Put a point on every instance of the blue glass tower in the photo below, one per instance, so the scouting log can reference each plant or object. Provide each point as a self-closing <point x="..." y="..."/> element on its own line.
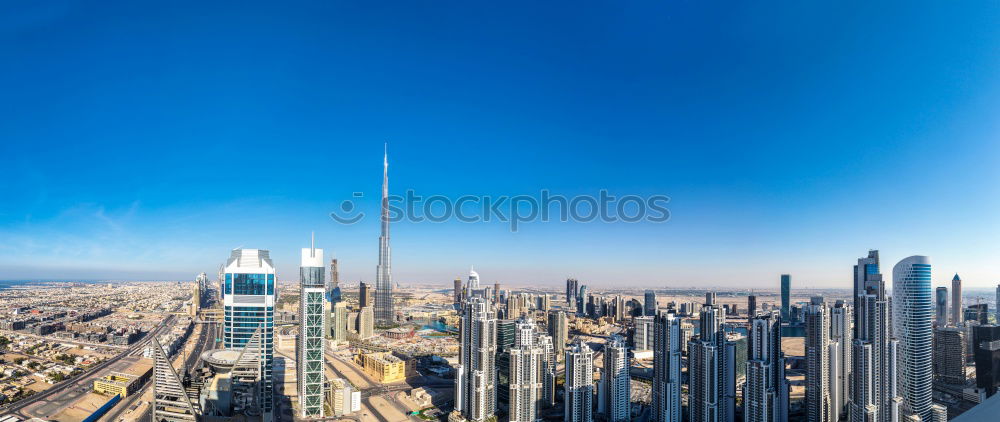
<point x="786" y="288"/>
<point x="249" y="304"/>
<point x="913" y="313"/>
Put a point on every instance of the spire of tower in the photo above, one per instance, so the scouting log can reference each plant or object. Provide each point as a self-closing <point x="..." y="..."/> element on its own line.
<point x="312" y="245"/>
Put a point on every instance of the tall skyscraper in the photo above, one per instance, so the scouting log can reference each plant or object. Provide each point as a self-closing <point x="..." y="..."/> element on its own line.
<point x="751" y="306"/>
<point x="249" y="305"/>
<point x="642" y="337"/>
<point x="615" y="380"/>
<point x="496" y="292"/>
<point x="333" y="291"/>
<point x="476" y="373"/>
<point x="458" y="291"/>
<point x="310" y="363"/>
<point x="526" y="382"/>
<point x="384" y="314"/>
<point x="949" y="355"/>
<point x="956" y="300"/>
<point x="649" y="303"/>
<point x="547" y="369"/>
<point x="579" y="387"/>
<point x="559" y="330"/>
<point x="711" y="368"/>
<point x="765" y="394"/>
<point x="338" y="328"/>
<point x="366" y="295"/>
<point x="786" y="292"/>
<point x="841" y="339"/>
<point x="818" y="403"/>
<point x="572" y="287"/>
<point x="581" y="300"/>
<point x="912" y="313"/>
<point x="941" y="306"/>
<point x="667" y="346"/>
<point x="874" y="395"/>
<point x="986" y="340"/>
<point x="366" y="323"/>
<point x="473" y="281"/>
<point x="996" y="305"/>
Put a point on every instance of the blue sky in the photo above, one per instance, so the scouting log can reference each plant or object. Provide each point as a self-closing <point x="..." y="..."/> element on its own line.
<point x="145" y="141"/>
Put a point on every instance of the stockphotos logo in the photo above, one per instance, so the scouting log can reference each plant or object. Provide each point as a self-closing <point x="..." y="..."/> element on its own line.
<point x="515" y="210"/>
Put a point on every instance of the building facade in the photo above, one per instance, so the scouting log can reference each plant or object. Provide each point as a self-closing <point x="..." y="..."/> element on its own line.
<point x="818" y="401"/>
<point x="248" y="305"/>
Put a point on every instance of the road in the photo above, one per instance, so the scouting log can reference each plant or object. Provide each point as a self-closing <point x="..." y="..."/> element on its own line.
<point x="78" y="385"/>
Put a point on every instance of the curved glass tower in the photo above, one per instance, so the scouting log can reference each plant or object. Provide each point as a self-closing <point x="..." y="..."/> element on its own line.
<point x="913" y="312"/>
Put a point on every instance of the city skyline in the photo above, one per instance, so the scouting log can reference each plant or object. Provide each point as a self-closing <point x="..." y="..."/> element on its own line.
<point x="115" y="169"/>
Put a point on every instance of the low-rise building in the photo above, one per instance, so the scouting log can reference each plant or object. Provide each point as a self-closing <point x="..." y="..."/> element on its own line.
<point x="384" y="367"/>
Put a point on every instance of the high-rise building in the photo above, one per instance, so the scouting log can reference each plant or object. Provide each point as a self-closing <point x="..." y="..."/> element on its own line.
<point x="384" y="314"/>
<point x="476" y="374"/>
<point x="581" y="300"/>
<point x="996" y="305"/>
<point x="505" y="340"/>
<point x="786" y="290"/>
<point x="548" y="370"/>
<point x="667" y="345"/>
<point x="941" y="306"/>
<point x="542" y="302"/>
<point x="956" y="300"/>
<point x="338" y="327"/>
<point x="249" y="305"/>
<point x="818" y="402"/>
<point x="841" y="338"/>
<point x="558" y="329"/>
<point x="751" y="306"/>
<point x="765" y="394"/>
<point x="366" y="295"/>
<point x="496" y="292"/>
<point x="615" y="381"/>
<point x="579" y="387"/>
<point x="195" y="299"/>
<point x="526" y="383"/>
<point x="978" y="312"/>
<point x="912" y="308"/>
<point x="572" y="287"/>
<point x="333" y="289"/>
<point x="458" y="291"/>
<point x="874" y="395"/>
<point x="473" y="281"/>
<point x="366" y="323"/>
<point x="649" y="303"/>
<point x="311" y="359"/>
<point x="711" y="372"/>
<point x="949" y="355"/>
<point x="642" y="337"/>
<point x="986" y="340"/>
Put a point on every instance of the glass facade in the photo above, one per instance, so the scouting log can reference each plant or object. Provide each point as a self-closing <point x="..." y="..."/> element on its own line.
<point x="240" y="322"/>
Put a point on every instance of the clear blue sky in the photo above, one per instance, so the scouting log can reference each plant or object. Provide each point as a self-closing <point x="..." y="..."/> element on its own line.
<point x="146" y="141"/>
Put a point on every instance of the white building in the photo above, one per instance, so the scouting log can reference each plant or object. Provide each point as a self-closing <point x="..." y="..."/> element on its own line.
<point x="818" y="401"/>
<point x="476" y="373"/>
<point x="765" y="394"/>
<point x="668" y="341"/>
<point x="311" y="358"/>
<point x="579" y="386"/>
<point x="615" y="380"/>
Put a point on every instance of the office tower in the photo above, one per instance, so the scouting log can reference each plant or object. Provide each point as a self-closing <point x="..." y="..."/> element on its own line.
<point x="649" y="303"/>
<point x="366" y="295"/>
<point x="170" y="400"/>
<point x="619" y="309"/>
<point x="786" y="300"/>
<point x="986" y="340"/>
<point x="475" y="375"/>
<point x="195" y="299"/>
<point x="866" y="274"/>
<point x="711" y="368"/>
<point x="333" y="293"/>
<point x="525" y="373"/>
<point x="579" y="387"/>
<point x="366" y="323"/>
<point x="941" y="306"/>
<point x="751" y="306"/>
<point x="542" y="302"/>
<point x="548" y="370"/>
<point x="249" y="305"/>
<point x="615" y="380"/>
<point x="581" y="300"/>
<point x="978" y="312"/>
<point x="841" y="338"/>
<point x="912" y="309"/>
<point x="642" y="337"/>
<point x="668" y="342"/>
<point x="572" y="287"/>
<point x="458" y="291"/>
<point x="311" y="360"/>
<point x="818" y="402"/>
<point x="496" y="292"/>
<point x="559" y="330"/>
<point x="473" y="283"/>
<point x="956" y="300"/>
<point x="765" y="394"/>
<point x="505" y="340"/>
<point x="949" y="355"/>
<point x="338" y="328"/>
<point x="874" y="395"/>
<point x="384" y="314"/>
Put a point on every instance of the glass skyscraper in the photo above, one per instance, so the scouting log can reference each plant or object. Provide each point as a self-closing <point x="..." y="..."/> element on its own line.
<point x="384" y="314"/>
<point x="249" y="304"/>
<point x="313" y="329"/>
<point x="913" y="310"/>
<point x="786" y="290"/>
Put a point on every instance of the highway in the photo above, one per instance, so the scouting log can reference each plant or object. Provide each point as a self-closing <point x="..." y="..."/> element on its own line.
<point x="85" y="380"/>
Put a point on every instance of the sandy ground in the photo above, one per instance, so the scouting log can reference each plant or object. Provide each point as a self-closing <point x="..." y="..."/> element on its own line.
<point x="793" y="346"/>
<point x="387" y="410"/>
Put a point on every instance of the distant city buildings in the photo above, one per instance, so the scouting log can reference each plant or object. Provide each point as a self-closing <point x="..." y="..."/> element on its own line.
<point x="649" y="303"/>
<point x="956" y="300"/>
<point x="941" y="306"/>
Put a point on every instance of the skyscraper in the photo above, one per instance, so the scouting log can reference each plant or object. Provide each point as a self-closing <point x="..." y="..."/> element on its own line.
<point x="941" y="306"/>
<point x="338" y="329"/>
<point x="572" y="287"/>
<point x="642" y="337"/>
<point x="310" y="362"/>
<point x="874" y="395"/>
<point x="547" y="369"/>
<point x="476" y="374"/>
<point x="580" y="383"/>
<point x="615" y="380"/>
<point x="786" y="290"/>
<point x="473" y="281"/>
<point x="818" y="402"/>
<point x="912" y="313"/>
<point x="649" y="303"/>
<point x="581" y="300"/>
<point x="986" y="340"/>
<point x="558" y="329"/>
<point x="366" y="295"/>
<point x="711" y="368"/>
<point x="525" y="373"/>
<point x="765" y="394"/>
<point x="366" y="323"/>
<point x="667" y="345"/>
<point x="949" y="355"/>
<point x="334" y="294"/>
<point x="384" y="314"/>
<point x="956" y="300"/>
<point x="841" y="339"/>
<point x="458" y="291"/>
<point x="249" y="305"/>
<point x="751" y="306"/>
